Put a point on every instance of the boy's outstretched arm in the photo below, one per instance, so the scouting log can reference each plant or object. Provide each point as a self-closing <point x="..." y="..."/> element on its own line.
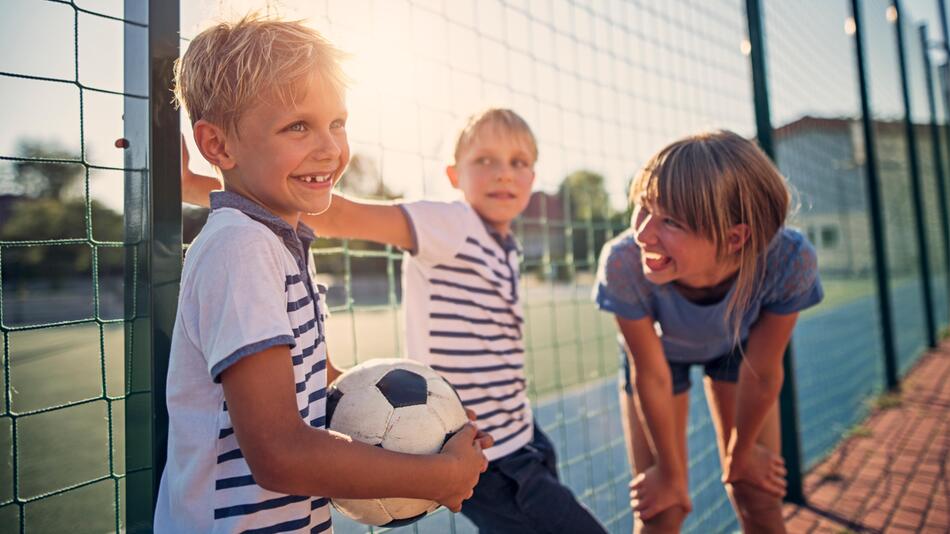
<point x="288" y="456"/>
<point x="195" y="188"/>
<point x="382" y="222"/>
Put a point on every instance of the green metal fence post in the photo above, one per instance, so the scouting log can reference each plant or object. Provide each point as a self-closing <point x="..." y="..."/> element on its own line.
<point x="788" y="403"/>
<point x="165" y="248"/>
<point x="154" y="257"/>
<point x="939" y="175"/>
<point x="139" y="486"/>
<point x="915" y="186"/>
<point x="878" y="236"/>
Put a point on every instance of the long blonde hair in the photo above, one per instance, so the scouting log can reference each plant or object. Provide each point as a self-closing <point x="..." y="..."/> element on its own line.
<point x="711" y="182"/>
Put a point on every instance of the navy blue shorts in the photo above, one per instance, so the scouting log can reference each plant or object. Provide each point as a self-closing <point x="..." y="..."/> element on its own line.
<point x="521" y="493"/>
<point x="723" y="368"/>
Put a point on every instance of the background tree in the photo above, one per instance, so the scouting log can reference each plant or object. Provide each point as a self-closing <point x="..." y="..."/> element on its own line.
<point x="41" y="203"/>
<point x="587" y="195"/>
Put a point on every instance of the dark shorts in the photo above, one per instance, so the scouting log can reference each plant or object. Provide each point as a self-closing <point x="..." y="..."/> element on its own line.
<point x="521" y="493"/>
<point x="723" y="368"/>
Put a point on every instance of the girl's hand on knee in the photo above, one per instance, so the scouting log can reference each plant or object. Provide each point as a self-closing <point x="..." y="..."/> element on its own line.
<point x="760" y="467"/>
<point x="652" y="492"/>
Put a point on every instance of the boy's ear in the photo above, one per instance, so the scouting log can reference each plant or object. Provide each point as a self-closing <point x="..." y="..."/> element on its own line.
<point x="737" y="237"/>
<point x="453" y="175"/>
<point x="213" y="145"/>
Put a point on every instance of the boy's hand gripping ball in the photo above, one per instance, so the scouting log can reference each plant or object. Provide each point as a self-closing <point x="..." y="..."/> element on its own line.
<point x="399" y="405"/>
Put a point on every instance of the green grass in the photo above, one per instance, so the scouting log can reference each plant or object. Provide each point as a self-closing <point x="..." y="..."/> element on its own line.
<point x="886" y="401"/>
<point x="68" y="446"/>
<point x="858" y="431"/>
<point x="839" y="291"/>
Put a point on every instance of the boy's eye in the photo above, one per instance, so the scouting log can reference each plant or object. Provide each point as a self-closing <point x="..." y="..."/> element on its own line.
<point x="670" y="222"/>
<point x="483" y="161"/>
<point x="297" y="127"/>
<point x="339" y="123"/>
<point x="520" y="164"/>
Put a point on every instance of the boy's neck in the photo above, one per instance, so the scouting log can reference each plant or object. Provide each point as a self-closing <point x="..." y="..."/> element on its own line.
<point x="292" y="218"/>
<point x="502" y="229"/>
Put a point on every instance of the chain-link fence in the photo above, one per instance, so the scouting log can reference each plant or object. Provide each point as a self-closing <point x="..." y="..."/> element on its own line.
<point x="89" y="211"/>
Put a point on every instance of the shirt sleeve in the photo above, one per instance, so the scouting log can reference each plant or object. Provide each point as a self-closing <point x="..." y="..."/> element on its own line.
<point x="796" y="284"/>
<point x="439" y="229"/>
<point x="239" y="292"/>
<point x="620" y="287"/>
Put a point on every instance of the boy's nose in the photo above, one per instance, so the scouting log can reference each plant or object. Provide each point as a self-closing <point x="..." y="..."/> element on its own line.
<point x="504" y="172"/>
<point x="326" y="147"/>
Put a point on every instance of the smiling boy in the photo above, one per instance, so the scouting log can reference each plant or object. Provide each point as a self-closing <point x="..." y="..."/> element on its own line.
<point x="246" y="390"/>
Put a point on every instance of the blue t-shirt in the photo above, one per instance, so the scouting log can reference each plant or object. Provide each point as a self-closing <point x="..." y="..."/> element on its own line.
<point x="696" y="333"/>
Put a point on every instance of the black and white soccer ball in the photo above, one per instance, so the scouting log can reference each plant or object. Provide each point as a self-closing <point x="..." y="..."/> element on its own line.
<point x="400" y="405"/>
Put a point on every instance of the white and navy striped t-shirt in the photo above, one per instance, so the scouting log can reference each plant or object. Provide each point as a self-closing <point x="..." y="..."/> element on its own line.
<point x="464" y="316"/>
<point x="246" y="286"/>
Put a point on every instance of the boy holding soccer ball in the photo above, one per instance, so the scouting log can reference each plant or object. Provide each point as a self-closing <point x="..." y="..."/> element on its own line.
<point x="247" y="448"/>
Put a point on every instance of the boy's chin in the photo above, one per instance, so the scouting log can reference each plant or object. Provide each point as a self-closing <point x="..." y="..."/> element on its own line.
<point x="317" y="208"/>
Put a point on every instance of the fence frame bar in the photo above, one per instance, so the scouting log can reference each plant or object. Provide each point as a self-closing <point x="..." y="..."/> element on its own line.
<point x="788" y="400"/>
<point x="916" y="192"/>
<point x="875" y="206"/>
<point x="939" y="175"/>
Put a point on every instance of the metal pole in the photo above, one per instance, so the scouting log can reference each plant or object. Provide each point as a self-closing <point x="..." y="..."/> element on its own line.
<point x="788" y="402"/>
<point x="939" y="176"/>
<point x="875" y="207"/>
<point x="915" y="186"/>
<point x="139" y="486"/>
<point x="164" y="217"/>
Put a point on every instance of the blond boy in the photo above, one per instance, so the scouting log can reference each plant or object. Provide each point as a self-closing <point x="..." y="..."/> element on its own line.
<point x="248" y="373"/>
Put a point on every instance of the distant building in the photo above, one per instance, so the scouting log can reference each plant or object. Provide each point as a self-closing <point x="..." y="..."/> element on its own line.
<point x="824" y="160"/>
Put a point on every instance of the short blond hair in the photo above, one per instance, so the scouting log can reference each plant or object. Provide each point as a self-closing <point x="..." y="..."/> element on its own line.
<point x="713" y="181"/>
<point x="231" y="66"/>
<point x="506" y="120"/>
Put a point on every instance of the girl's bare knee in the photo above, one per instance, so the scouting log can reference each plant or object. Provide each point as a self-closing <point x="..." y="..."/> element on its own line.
<point x="758" y="510"/>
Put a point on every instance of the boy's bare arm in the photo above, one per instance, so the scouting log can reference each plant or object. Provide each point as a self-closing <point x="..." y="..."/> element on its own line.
<point x="332" y="371"/>
<point x="195" y="188"/>
<point x="382" y="222"/>
<point x="288" y="456"/>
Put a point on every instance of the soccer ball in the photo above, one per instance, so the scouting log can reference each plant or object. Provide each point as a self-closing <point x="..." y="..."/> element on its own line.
<point x="399" y="405"/>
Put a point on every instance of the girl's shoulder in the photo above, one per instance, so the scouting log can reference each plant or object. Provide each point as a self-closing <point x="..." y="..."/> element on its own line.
<point x="790" y="251"/>
<point x="623" y="246"/>
<point x="621" y="287"/>
<point x="791" y="273"/>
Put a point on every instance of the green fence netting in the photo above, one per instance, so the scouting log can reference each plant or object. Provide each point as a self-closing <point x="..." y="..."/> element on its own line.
<point x="63" y="261"/>
<point x="819" y="148"/>
<point x="603" y="84"/>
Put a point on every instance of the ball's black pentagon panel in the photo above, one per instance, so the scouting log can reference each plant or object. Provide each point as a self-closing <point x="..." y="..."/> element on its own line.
<point x="403" y="522"/>
<point x="402" y="387"/>
<point x="333" y="398"/>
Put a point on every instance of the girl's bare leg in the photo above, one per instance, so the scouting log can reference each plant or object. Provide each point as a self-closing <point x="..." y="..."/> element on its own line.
<point x="757" y="510"/>
<point x="641" y="456"/>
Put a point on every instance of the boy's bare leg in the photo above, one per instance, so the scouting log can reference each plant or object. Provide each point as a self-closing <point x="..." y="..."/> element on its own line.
<point x="758" y="511"/>
<point x="641" y="456"/>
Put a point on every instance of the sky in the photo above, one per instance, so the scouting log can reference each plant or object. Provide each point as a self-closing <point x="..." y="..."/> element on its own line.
<point x="604" y="84"/>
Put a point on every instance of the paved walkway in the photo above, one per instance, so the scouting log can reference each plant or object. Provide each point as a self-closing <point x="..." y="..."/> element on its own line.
<point x="891" y="475"/>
